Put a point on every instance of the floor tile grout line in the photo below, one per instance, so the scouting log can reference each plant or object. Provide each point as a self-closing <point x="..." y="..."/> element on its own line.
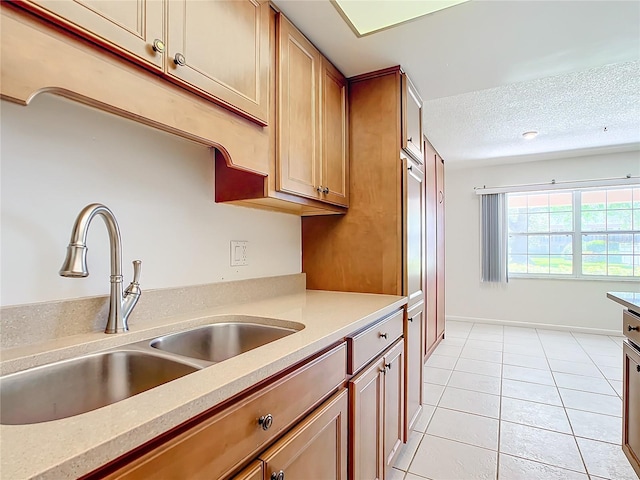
<point x="575" y="440"/>
<point x="500" y="411"/>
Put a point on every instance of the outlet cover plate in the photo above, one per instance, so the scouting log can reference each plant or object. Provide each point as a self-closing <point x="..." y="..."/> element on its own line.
<point x="239" y="253"/>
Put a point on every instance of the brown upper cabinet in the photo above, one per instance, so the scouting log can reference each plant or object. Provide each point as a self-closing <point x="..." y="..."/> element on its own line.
<point x="311" y="152"/>
<point x="216" y="48"/>
<point x="411" y="120"/>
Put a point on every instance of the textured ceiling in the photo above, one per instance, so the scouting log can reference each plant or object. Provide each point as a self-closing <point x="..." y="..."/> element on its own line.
<point x="490" y="70"/>
<point x="569" y="111"/>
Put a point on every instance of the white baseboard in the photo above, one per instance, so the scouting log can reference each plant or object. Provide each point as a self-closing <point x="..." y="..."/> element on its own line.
<point x="548" y="326"/>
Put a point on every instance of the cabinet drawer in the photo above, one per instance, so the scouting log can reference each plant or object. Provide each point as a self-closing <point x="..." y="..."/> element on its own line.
<point x="631" y="327"/>
<point x="373" y="340"/>
<point x="219" y="445"/>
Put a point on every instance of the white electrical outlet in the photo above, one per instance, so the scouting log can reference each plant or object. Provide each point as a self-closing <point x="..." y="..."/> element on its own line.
<point x="239" y="253"/>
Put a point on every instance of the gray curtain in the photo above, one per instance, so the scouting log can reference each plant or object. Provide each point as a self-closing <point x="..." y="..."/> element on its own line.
<point x="494" y="238"/>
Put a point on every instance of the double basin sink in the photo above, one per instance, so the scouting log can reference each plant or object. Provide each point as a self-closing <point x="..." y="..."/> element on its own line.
<point x="78" y="385"/>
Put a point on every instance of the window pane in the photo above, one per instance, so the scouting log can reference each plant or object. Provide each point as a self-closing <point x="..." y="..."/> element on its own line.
<point x="636" y="246"/>
<point x="561" y="244"/>
<point x="619" y="220"/>
<point x="539" y="203"/>
<point x="517" y="244"/>
<point x="619" y="198"/>
<point x="561" y="222"/>
<point x="517" y="264"/>
<point x="636" y="198"/>
<point x="538" y="264"/>
<point x="561" y="264"/>
<point x="593" y="221"/>
<point x="620" y="265"/>
<point x="636" y="219"/>
<point x="594" y="200"/>
<point x="518" y="223"/>
<point x="517" y="203"/>
<point x="618" y="244"/>
<point x="594" y="243"/>
<point x="637" y="265"/>
<point x="539" y="244"/>
<point x="561" y="202"/>
<point x="594" y="265"/>
<point x="539" y="222"/>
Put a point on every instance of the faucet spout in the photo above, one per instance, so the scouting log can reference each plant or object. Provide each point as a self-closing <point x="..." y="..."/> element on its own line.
<point x="75" y="265"/>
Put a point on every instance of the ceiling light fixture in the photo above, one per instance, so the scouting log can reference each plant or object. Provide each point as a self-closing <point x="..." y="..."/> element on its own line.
<point x="365" y="18"/>
<point x="530" y="134"/>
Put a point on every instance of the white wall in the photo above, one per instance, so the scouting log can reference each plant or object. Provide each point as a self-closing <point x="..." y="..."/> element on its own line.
<point x="556" y="302"/>
<point x="58" y="156"/>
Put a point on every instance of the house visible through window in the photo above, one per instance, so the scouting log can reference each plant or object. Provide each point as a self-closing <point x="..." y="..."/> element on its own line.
<point x="581" y="233"/>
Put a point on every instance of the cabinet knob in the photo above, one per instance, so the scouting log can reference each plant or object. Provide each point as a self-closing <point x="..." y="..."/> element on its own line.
<point x="383" y="335"/>
<point x="631" y="329"/>
<point x="441" y="196"/>
<point x="410" y="319"/>
<point x="387" y="366"/>
<point x="410" y="139"/>
<point x="158" y="45"/>
<point x="179" y="60"/>
<point x="410" y="167"/>
<point x="325" y="190"/>
<point x="319" y="189"/>
<point x="638" y="368"/>
<point x="266" y="421"/>
<point x="277" y="475"/>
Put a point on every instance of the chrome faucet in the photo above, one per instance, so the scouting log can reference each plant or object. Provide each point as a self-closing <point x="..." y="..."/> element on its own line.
<point x="75" y="265"/>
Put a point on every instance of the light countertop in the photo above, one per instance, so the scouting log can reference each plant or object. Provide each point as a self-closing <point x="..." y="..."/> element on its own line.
<point x="631" y="300"/>
<point x="71" y="447"/>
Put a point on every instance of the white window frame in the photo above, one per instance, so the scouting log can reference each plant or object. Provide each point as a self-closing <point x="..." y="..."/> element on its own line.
<point x="577" y="235"/>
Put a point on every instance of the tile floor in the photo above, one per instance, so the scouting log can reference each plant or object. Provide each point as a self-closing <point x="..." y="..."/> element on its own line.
<point x="519" y="403"/>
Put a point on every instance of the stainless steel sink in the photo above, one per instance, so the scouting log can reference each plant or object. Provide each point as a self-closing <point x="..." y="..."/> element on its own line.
<point x="220" y="341"/>
<point x="79" y="385"/>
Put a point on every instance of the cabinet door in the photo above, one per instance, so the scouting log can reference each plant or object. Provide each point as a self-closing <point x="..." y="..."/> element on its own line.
<point x="298" y="146"/>
<point x="631" y="410"/>
<point x="335" y="151"/>
<point x="366" y="421"/>
<point x="127" y="27"/>
<point x="255" y="471"/>
<point x="316" y="447"/>
<point x="413" y="342"/>
<point x="440" y="246"/>
<point x="411" y="120"/>
<point x="431" y="260"/>
<point x="225" y="46"/>
<point x="393" y="402"/>
<point x="413" y="231"/>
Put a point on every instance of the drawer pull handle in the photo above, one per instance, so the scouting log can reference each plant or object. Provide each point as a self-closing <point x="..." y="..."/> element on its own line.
<point x="410" y="319"/>
<point x="277" y="475"/>
<point x="266" y="421"/>
<point x="631" y="329"/>
<point x="383" y="335"/>
<point x="638" y="368"/>
<point x="325" y="190"/>
<point x="388" y="366"/>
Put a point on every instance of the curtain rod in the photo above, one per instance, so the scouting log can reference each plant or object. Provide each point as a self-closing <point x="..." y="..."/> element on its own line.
<point x="553" y="185"/>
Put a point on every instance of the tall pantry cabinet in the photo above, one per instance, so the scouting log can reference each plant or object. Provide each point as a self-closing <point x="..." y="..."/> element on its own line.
<point x="379" y="245"/>
<point x="434" y="276"/>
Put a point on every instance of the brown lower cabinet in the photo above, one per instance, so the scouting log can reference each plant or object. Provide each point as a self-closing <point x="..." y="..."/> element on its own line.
<point x="315" y="448"/>
<point x="413" y="350"/>
<point x="631" y="410"/>
<point x="376" y="414"/>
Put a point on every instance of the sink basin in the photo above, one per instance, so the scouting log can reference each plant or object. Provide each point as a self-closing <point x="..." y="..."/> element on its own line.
<point x="79" y="385"/>
<point x="220" y="341"/>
